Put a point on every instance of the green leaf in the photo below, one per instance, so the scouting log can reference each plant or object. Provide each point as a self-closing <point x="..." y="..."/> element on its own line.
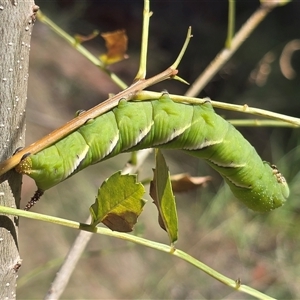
<point x="119" y="202"/>
<point x="162" y="194"/>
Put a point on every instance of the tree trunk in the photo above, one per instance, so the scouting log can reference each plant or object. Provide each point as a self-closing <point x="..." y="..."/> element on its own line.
<point x="16" y="20"/>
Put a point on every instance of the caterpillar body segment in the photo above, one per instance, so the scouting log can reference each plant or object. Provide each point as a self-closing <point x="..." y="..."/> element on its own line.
<point x="162" y="123"/>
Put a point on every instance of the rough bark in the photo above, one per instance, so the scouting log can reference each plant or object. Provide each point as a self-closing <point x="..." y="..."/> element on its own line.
<point x="16" y="21"/>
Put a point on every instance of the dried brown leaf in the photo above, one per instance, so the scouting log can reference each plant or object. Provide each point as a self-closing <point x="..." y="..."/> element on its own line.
<point x="184" y="182"/>
<point x="116" y="45"/>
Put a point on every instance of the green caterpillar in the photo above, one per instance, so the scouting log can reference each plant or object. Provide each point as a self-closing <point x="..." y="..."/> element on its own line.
<point x="162" y="123"/>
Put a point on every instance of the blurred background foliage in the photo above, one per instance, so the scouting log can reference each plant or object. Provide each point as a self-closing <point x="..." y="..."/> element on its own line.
<point x="260" y="249"/>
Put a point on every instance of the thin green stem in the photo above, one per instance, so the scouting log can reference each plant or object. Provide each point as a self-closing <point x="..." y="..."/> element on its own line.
<point x="260" y="123"/>
<point x="141" y="74"/>
<point x="226" y="54"/>
<point x="183" y="49"/>
<point x="231" y="23"/>
<point x="140" y="241"/>
<point x="146" y="95"/>
<point x="72" y="41"/>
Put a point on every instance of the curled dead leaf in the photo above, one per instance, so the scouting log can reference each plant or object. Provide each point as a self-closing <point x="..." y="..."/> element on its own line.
<point x="116" y="45"/>
<point x="184" y="182"/>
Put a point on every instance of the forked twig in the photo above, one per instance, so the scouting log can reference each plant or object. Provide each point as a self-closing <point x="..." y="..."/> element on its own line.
<point x="140" y="241"/>
<point x="227" y="53"/>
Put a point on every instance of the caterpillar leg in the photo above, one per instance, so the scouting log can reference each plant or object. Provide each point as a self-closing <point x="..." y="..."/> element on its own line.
<point x="35" y="198"/>
<point x="24" y="168"/>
